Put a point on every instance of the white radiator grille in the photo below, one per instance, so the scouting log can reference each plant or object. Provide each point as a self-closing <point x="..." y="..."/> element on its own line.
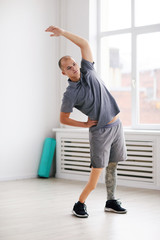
<point x="139" y="164"/>
<point x="74" y="159"/>
<point x="75" y="156"/>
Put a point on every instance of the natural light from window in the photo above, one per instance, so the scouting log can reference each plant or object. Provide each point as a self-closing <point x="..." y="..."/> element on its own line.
<point x="148" y="55"/>
<point x="130" y="58"/>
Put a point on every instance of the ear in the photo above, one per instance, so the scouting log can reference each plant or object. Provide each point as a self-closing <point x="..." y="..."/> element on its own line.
<point x="63" y="73"/>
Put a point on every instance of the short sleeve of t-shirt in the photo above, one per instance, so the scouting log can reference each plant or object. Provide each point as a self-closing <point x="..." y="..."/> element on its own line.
<point x="86" y="65"/>
<point x="67" y="104"/>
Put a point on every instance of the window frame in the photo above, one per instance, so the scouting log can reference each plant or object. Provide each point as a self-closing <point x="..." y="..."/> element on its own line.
<point x="135" y="31"/>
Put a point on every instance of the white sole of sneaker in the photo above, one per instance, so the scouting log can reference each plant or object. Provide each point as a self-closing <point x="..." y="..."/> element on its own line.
<point x="80" y="216"/>
<point x="114" y="211"/>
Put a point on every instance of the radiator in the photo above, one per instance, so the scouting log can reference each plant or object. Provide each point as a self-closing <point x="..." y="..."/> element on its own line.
<point x="140" y="161"/>
<point x="139" y="170"/>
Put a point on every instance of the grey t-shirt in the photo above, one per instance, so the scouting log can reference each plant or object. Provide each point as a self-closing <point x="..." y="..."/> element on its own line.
<point x="90" y="96"/>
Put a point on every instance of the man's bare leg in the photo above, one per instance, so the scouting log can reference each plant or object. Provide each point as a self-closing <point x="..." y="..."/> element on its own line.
<point x="79" y="208"/>
<point x="91" y="185"/>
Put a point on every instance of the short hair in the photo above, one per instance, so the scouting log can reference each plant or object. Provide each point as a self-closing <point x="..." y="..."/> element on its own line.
<point x="63" y="58"/>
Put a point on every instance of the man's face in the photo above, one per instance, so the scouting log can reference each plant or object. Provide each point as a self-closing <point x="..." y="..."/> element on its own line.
<point x="71" y="69"/>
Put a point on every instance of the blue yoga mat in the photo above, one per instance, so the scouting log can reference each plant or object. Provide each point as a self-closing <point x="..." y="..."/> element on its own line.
<point x="47" y="157"/>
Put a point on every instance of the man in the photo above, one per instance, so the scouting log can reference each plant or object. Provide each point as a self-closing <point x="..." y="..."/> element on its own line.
<point x="87" y="93"/>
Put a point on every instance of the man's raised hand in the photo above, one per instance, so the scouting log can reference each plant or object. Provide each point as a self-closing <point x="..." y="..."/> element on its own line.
<point x="55" y="31"/>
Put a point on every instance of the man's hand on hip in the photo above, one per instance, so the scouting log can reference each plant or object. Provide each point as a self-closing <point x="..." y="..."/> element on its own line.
<point x="91" y="123"/>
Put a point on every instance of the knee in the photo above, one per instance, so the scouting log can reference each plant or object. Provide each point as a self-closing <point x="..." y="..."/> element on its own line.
<point x="111" y="168"/>
<point x="92" y="186"/>
<point x="112" y="165"/>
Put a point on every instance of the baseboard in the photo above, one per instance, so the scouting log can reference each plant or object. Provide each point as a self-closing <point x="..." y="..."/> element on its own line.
<point x="12" y="178"/>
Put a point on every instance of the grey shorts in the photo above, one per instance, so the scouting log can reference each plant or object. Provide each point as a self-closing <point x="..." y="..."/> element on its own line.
<point x="107" y="144"/>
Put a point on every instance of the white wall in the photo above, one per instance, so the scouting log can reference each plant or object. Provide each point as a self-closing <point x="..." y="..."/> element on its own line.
<point x="29" y="84"/>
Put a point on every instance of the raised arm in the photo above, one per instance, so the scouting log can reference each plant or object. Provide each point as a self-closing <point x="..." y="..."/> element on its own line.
<point x="79" y="41"/>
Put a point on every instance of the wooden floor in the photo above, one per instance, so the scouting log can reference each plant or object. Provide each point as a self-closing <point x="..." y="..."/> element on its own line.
<point x="39" y="209"/>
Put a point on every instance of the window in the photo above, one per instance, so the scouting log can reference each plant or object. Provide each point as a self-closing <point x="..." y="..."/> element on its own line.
<point x="148" y="68"/>
<point x="129" y="58"/>
<point x="116" y="70"/>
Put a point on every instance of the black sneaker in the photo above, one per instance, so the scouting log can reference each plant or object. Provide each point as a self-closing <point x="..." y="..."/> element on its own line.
<point x="80" y="210"/>
<point x="114" y="206"/>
